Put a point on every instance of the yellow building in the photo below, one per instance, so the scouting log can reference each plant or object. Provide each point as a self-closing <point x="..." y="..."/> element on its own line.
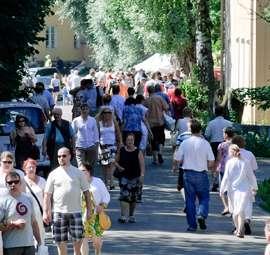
<point x="247" y="52"/>
<point x="61" y="41"/>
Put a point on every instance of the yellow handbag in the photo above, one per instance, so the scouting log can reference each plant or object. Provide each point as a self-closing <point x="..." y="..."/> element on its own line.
<point x="104" y="221"/>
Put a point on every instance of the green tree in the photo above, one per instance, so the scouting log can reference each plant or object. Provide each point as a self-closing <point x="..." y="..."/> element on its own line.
<point x="20" y="22"/>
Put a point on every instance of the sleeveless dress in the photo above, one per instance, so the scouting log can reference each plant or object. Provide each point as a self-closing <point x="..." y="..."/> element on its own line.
<point x="129" y="183"/>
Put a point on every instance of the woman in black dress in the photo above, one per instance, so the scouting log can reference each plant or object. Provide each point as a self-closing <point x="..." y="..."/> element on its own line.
<point x="130" y="162"/>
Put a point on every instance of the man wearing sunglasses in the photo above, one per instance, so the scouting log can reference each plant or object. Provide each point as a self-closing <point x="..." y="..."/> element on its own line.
<point x="62" y="202"/>
<point x="17" y="219"/>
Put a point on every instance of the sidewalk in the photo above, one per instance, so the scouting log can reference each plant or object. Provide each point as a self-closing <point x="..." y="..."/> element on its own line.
<point x="161" y="225"/>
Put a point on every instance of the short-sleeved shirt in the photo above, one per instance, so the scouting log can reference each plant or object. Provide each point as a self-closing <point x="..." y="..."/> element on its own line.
<point x="195" y="153"/>
<point x="223" y="149"/>
<point x="132" y="117"/>
<point x="65" y="187"/>
<point x="20" y="207"/>
<point x="250" y="158"/>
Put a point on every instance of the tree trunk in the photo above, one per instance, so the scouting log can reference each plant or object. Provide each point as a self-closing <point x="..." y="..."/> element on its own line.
<point x="204" y="49"/>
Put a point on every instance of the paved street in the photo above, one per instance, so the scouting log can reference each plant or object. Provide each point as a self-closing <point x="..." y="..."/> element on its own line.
<point x="161" y="225"/>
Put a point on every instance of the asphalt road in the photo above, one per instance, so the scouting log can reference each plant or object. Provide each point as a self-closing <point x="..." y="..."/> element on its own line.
<point x="161" y="225"/>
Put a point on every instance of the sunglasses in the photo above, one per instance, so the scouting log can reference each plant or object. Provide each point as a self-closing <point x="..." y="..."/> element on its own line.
<point x="13" y="182"/>
<point x="7" y="162"/>
<point x="62" y="156"/>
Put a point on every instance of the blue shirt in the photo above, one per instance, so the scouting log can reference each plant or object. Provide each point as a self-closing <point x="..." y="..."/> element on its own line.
<point x="59" y="139"/>
<point x="132" y="117"/>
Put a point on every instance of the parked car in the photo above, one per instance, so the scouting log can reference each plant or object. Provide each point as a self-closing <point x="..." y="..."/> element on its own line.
<point x="37" y="119"/>
<point x="42" y="74"/>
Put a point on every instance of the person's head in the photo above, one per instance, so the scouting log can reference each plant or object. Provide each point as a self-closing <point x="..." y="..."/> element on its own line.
<point x="177" y="92"/>
<point x="39" y="88"/>
<point x="234" y="151"/>
<point x="76" y="72"/>
<point x="130" y="91"/>
<point x="195" y="126"/>
<point x="106" y="114"/>
<point x="139" y="99"/>
<point x="55" y="75"/>
<point x="130" y="101"/>
<point x="57" y="113"/>
<point x="20" y="121"/>
<point x="30" y="167"/>
<point x="13" y="181"/>
<point x="187" y="112"/>
<point x="7" y="160"/>
<point x="115" y="89"/>
<point x="219" y="111"/>
<point x="87" y="170"/>
<point x="157" y="75"/>
<point x="106" y="99"/>
<point x="130" y="139"/>
<point x="228" y="133"/>
<point x="84" y="109"/>
<point x="239" y="141"/>
<point x="64" y="156"/>
<point x="88" y="83"/>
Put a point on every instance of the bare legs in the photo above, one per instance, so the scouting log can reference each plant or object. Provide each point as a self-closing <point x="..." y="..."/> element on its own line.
<point x="62" y="248"/>
<point x="127" y="211"/>
<point x="97" y="244"/>
<point x="108" y="175"/>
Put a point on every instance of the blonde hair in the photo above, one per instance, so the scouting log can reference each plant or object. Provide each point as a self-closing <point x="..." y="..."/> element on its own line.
<point x="235" y="150"/>
<point x="7" y="154"/>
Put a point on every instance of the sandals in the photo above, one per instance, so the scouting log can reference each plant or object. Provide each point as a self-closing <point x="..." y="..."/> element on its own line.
<point x="225" y="212"/>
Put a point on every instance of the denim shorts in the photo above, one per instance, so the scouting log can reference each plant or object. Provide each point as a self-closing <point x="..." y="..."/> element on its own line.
<point x="64" y="223"/>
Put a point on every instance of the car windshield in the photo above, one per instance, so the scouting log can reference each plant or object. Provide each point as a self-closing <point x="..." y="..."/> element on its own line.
<point x="46" y="71"/>
<point x="8" y="117"/>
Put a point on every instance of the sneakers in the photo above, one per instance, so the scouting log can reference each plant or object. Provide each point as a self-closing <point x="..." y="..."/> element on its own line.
<point x="202" y="224"/>
<point x="189" y="229"/>
<point x="122" y="219"/>
<point x="131" y="219"/>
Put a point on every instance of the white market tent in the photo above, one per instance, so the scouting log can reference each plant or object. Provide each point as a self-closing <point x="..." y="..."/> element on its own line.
<point x="157" y="62"/>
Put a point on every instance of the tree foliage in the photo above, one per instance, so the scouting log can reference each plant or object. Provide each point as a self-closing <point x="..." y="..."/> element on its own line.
<point x="259" y="97"/>
<point x="20" y="22"/>
<point x="124" y="32"/>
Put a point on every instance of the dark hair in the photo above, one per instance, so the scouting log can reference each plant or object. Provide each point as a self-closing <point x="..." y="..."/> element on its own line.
<point x="84" y="105"/>
<point x="130" y="101"/>
<point x="177" y="92"/>
<point x="40" y="84"/>
<point x="187" y="112"/>
<point x="115" y="89"/>
<point x="157" y="87"/>
<point x="18" y="118"/>
<point x="195" y="126"/>
<point x="88" y="167"/>
<point x="229" y="131"/>
<point x="106" y="98"/>
<point x="151" y="89"/>
<point x="131" y="91"/>
<point x="12" y="175"/>
<point x="219" y="111"/>
<point x="239" y="140"/>
<point x="139" y="99"/>
<point x="39" y="88"/>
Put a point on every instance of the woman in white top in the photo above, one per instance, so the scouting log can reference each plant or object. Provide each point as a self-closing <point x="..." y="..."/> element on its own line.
<point x="240" y="183"/>
<point x="100" y="199"/>
<point x="37" y="185"/>
<point x="110" y="141"/>
<point x="55" y="86"/>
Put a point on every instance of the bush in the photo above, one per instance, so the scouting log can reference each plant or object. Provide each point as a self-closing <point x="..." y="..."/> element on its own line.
<point x="197" y="97"/>
<point x="264" y="194"/>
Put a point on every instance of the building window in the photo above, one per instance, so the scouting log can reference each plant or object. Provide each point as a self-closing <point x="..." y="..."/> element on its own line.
<point x="50" y="37"/>
<point x="76" y="42"/>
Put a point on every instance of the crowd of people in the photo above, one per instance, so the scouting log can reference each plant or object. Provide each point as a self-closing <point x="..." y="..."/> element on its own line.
<point x="116" y="119"/>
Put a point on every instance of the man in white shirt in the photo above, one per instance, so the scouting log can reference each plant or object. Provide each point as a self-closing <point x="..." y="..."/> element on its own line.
<point x="214" y="134"/>
<point x="62" y="202"/>
<point x="250" y="158"/>
<point x="196" y="156"/>
<point x="87" y="137"/>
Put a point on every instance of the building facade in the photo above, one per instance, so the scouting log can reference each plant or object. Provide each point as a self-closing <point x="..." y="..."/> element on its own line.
<point x="247" y="52"/>
<point x="61" y="41"/>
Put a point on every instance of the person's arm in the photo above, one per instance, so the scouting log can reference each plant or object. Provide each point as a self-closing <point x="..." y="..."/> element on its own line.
<point x="211" y="164"/>
<point x="86" y="194"/>
<point x="36" y="231"/>
<point x="47" y="210"/>
<point x="142" y="165"/>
